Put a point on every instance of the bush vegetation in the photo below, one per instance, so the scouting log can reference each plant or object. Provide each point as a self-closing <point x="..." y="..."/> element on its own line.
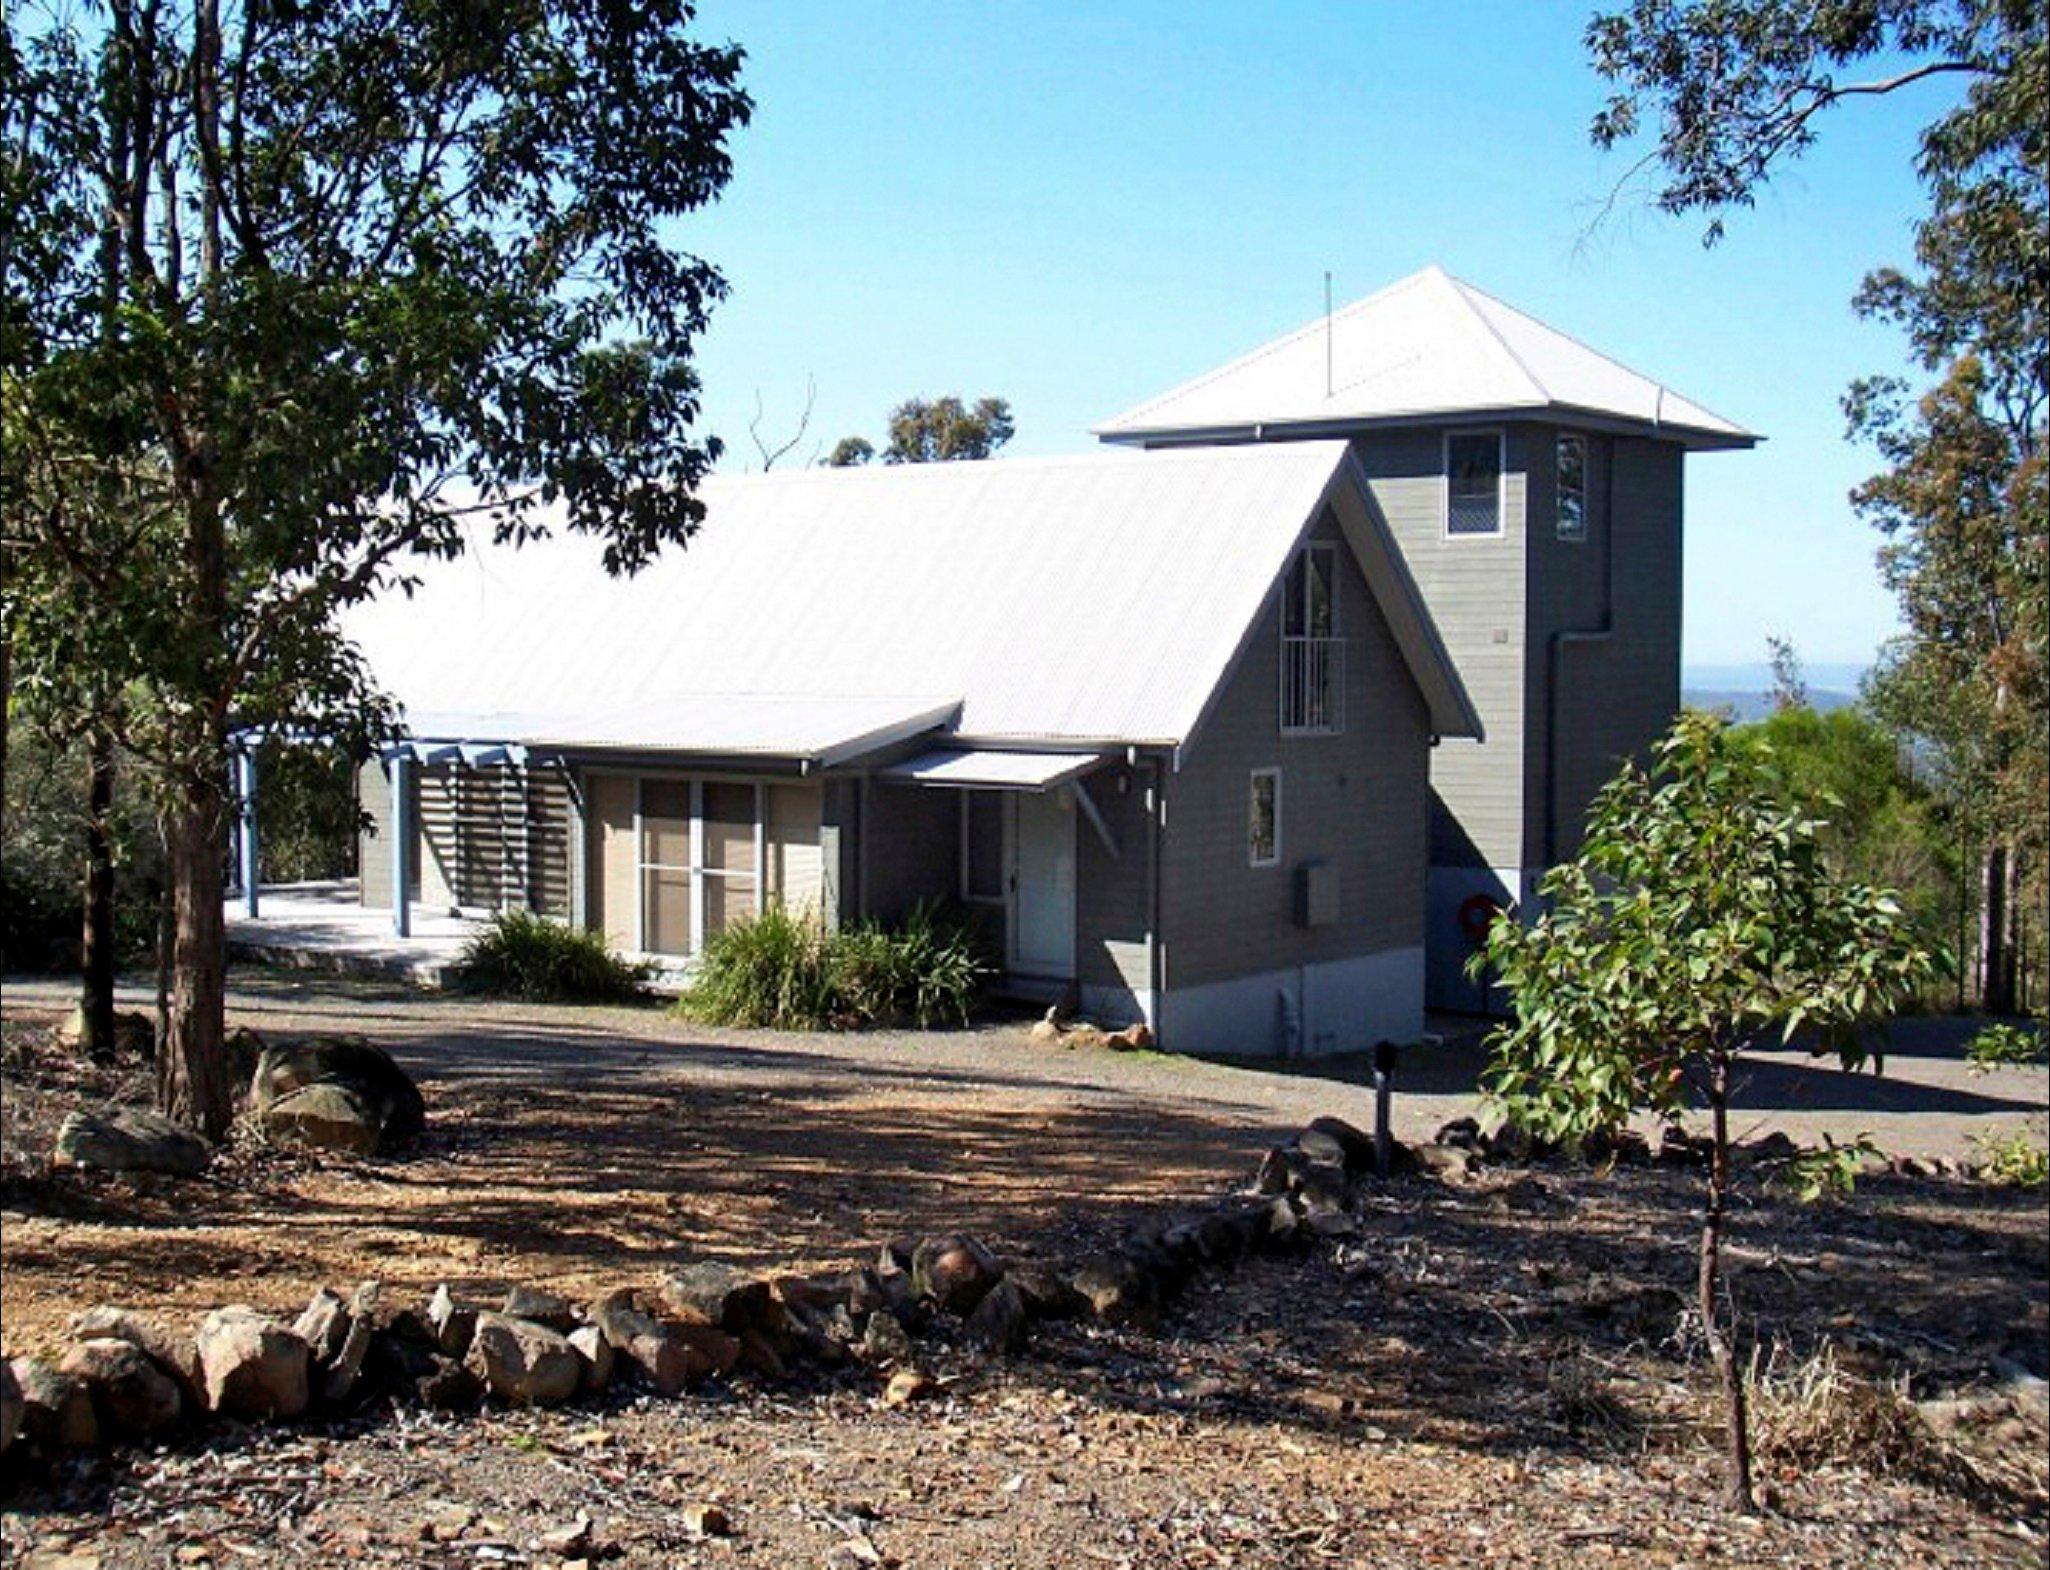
<point x="522" y="955"/>
<point x="785" y="970"/>
<point x="2008" y="1046"/>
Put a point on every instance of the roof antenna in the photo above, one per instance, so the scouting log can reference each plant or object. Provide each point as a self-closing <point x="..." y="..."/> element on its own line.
<point x="1328" y="387"/>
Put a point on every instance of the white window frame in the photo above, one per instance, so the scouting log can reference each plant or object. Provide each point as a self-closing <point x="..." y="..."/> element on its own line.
<point x="1501" y="483"/>
<point x="700" y="875"/>
<point x="1559" y="530"/>
<point x="1273" y="773"/>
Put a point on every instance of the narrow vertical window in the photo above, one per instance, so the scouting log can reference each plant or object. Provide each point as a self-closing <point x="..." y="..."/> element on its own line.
<point x="982" y="835"/>
<point x="1571" y="472"/>
<point x="1473" y="482"/>
<point x="1263" y="828"/>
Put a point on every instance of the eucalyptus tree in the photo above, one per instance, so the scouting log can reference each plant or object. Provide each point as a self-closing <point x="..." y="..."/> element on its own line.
<point x="1700" y="920"/>
<point x="933" y="430"/>
<point x="350" y="284"/>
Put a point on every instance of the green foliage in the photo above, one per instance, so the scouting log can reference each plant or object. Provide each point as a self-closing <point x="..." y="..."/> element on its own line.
<point x="1699" y="917"/>
<point x="307" y="812"/>
<point x="937" y="430"/>
<point x="2008" y="1046"/>
<point x="787" y="971"/>
<point x="523" y="955"/>
<point x="2012" y="1160"/>
<point x="1829" y="1170"/>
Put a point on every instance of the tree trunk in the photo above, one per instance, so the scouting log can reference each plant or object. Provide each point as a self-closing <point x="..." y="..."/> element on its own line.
<point x="167" y="936"/>
<point x="1996" y="926"/>
<point x="1721" y="1345"/>
<point x="96" y="1002"/>
<point x="193" y="1083"/>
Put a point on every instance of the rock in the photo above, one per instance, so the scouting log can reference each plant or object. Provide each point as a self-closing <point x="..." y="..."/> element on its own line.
<point x="245" y="1050"/>
<point x="1459" y="1134"/>
<point x="132" y="1397"/>
<point x="56" y="1408"/>
<point x="452" y="1326"/>
<point x="1335" y="1142"/>
<point x="341" y="1371"/>
<point x="1281" y="1169"/>
<point x="1231" y="1232"/>
<point x="590" y="1345"/>
<point x="711" y="1292"/>
<point x="1046" y="1292"/>
<point x="1046" y="1032"/>
<point x="884" y="1339"/>
<point x="1446" y="1162"/>
<point x="325" y="1117"/>
<point x="1133" y="1038"/>
<point x="522" y="1362"/>
<point x="251" y="1367"/>
<point x="380" y="1093"/>
<point x="954" y="1272"/>
<point x="672" y="1356"/>
<point x="448" y="1386"/>
<point x="760" y="1352"/>
<point x="1000" y="1322"/>
<point x="706" y="1520"/>
<point x="1118" y="1291"/>
<point x="541" y="1307"/>
<point x="1675" y="1146"/>
<point x="130" y="1139"/>
<point x="173" y="1353"/>
<point x="1776" y="1146"/>
<point x="1283" y="1225"/>
<point x="572" y="1541"/>
<point x="1323" y="1187"/>
<point x="135" y="1035"/>
<point x="10" y="1407"/>
<point x="908" y="1385"/>
<point x="324" y="1326"/>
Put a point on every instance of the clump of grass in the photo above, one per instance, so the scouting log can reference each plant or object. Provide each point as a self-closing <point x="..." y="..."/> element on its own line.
<point x="2012" y="1160"/>
<point x="785" y="970"/>
<point x="522" y="955"/>
<point x="2008" y="1046"/>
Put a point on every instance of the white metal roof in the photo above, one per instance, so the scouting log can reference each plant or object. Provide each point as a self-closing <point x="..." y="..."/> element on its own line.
<point x="1429" y="345"/>
<point x="992" y="770"/>
<point x="1090" y="600"/>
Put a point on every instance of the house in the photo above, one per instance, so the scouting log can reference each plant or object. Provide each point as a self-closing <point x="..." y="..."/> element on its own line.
<point x="1165" y="717"/>
<point x="1535" y="487"/>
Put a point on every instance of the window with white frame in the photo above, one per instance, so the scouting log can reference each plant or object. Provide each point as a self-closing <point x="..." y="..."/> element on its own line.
<point x="1312" y="653"/>
<point x="1263" y="822"/>
<point x="1473" y="482"/>
<point x="1570" y="487"/>
<point x="698" y="855"/>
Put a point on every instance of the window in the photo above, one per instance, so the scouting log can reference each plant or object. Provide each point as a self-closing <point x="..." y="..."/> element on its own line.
<point x="1312" y="655"/>
<point x="1473" y="482"/>
<point x="1263" y="828"/>
<point x="1309" y="608"/>
<point x="982" y="845"/>
<point x="698" y="856"/>
<point x="1571" y="482"/>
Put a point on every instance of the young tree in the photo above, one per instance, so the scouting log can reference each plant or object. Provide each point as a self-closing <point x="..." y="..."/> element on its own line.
<point x="1699" y="920"/>
<point x="937" y="430"/>
<point x="355" y="280"/>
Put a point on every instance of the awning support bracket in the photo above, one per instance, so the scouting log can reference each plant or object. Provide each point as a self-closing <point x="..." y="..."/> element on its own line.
<point x="1095" y="816"/>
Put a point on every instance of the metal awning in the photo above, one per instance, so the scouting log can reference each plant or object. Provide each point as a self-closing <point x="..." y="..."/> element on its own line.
<point x="976" y="770"/>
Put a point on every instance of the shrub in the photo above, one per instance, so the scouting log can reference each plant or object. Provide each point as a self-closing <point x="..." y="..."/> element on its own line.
<point x="2012" y="1160"/>
<point x="2007" y="1046"/>
<point x="522" y="955"/>
<point x="785" y="970"/>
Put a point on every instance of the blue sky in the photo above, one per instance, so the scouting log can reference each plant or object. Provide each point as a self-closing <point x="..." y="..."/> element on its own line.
<point x="1075" y="206"/>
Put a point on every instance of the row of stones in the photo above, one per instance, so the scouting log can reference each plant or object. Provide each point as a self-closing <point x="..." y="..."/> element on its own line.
<point x="127" y="1377"/>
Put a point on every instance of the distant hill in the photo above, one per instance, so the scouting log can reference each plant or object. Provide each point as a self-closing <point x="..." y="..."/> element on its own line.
<point x="1748" y="706"/>
<point x="1746" y="690"/>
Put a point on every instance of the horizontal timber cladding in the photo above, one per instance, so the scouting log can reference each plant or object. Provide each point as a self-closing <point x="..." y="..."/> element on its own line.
<point x="494" y="838"/>
<point x="1113" y="895"/>
<point x="373" y="842"/>
<point x="1354" y="801"/>
<point x="1474" y="586"/>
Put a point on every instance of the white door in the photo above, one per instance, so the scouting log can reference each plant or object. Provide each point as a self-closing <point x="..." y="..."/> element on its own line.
<point x="1042" y="845"/>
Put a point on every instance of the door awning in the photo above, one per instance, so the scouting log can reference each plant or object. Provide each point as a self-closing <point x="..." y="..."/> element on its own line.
<point x="973" y="770"/>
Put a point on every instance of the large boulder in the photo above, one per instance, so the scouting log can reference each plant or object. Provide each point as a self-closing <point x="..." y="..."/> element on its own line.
<point x="56" y="1408"/>
<point x="1333" y="1141"/>
<point x="541" y="1306"/>
<point x="132" y="1397"/>
<point x="1000" y="1321"/>
<point x="1119" y="1290"/>
<point x="130" y="1139"/>
<point x="522" y="1362"/>
<point x="369" y="1097"/>
<point x="252" y="1367"/>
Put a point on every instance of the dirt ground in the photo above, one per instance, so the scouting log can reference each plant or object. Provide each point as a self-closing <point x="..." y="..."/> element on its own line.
<point x="1502" y="1374"/>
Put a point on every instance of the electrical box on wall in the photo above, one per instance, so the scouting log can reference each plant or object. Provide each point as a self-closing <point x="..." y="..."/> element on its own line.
<point x="1316" y="894"/>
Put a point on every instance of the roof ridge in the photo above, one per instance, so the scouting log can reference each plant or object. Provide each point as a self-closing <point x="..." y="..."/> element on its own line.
<point x="1276" y="345"/>
<point x="1463" y="291"/>
<point x="967" y="468"/>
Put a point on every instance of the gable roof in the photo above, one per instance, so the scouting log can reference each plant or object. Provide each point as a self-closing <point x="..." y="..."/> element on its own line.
<point x="1426" y="347"/>
<point x="1096" y="599"/>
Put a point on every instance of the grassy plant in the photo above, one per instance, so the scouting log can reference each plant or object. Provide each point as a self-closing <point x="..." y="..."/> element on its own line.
<point x="519" y="954"/>
<point x="2008" y="1046"/>
<point x="2012" y="1160"/>
<point x="785" y="970"/>
<point x="1829" y="1170"/>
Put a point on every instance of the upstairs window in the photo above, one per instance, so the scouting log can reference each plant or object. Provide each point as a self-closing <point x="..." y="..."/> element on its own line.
<point x="1312" y="653"/>
<point x="1473" y="482"/>
<point x="1571" y="481"/>
<point x="1308" y="611"/>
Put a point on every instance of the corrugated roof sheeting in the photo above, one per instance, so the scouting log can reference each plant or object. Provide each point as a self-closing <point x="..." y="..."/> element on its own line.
<point x="1428" y="344"/>
<point x="1095" y="598"/>
<point x="992" y="770"/>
